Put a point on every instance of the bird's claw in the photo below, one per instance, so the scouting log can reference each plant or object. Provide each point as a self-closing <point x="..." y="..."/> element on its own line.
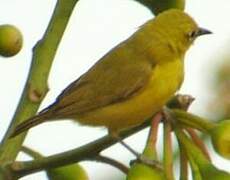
<point x="149" y="162"/>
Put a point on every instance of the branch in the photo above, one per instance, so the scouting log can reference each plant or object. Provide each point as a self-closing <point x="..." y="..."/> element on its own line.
<point x="99" y="158"/>
<point x="32" y="153"/>
<point x="36" y="85"/>
<point x="199" y="142"/>
<point x="88" y="151"/>
<point x="111" y="162"/>
<point x="168" y="151"/>
<point x="183" y="163"/>
<point x="150" y="148"/>
<point x="193" y="121"/>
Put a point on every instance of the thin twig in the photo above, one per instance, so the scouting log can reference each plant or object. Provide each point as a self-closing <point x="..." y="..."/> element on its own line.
<point x="99" y="158"/>
<point x="88" y="151"/>
<point x="150" y="148"/>
<point x="111" y="162"/>
<point x="183" y="163"/>
<point x="152" y="138"/>
<point x="199" y="142"/>
<point x="186" y="144"/>
<point x="194" y="121"/>
<point x="34" y="154"/>
<point x="168" y="151"/>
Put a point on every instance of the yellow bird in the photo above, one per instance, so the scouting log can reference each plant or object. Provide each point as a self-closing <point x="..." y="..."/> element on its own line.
<point x="132" y="81"/>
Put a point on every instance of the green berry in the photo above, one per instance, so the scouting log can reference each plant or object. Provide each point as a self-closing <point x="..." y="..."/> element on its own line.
<point x="140" y="171"/>
<point x="11" y="40"/>
<point x="69" y="172"/>
<point x="221" y="138"/>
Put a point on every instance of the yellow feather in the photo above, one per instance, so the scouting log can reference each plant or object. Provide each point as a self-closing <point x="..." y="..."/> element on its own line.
<point x="132" y="81"/>
<point x="165" y="81"/>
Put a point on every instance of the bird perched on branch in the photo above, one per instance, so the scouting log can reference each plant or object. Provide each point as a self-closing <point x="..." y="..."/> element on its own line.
<point x="132" y="81"/>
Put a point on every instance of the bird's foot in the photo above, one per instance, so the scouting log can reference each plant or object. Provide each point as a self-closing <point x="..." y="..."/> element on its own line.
<point x="141" y="158"/>
<point x="135" y="153"/>
<point x="149" y="162"/>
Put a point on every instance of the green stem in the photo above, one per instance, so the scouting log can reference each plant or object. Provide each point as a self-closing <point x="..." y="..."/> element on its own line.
<point x="111" y="162"/>
<point x="199" y="142"/>
<point x="150" y="147"/>
<point x="195" y="170"/>
<point x="31" y="152"/>
<point x="98" y="158"/>
<point x="36" y="85"/>
<point x="192" y="150"/>
<point x="88" y="151"/>
<point x="194" y="154"/>
<point x="185" y="144"/>
<point x="168" y="152"/>
<point x="193" y="121"/>
<point x="183" y="163"/>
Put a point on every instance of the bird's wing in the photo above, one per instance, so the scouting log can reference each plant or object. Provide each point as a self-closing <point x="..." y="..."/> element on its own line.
<point x="107" y="82"/>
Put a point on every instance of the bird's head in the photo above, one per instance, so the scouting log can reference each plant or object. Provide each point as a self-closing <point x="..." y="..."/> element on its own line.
<point x="177" y="30"/>
<point x="180" y="29"/>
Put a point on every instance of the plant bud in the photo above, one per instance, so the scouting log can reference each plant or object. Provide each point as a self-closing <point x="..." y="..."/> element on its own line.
<point x="220" y="135"/>
<point x="10" y="40"/>
<point x="140" y="171"/>
<point x="69" y="172"/>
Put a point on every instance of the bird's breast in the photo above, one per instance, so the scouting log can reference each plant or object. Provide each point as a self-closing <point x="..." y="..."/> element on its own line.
<point x="164" y="82"/>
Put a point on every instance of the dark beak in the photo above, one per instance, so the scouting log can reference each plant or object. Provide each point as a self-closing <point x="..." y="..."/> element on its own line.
<point x="203" y="31"/>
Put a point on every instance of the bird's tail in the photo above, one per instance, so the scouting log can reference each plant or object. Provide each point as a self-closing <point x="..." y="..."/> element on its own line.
<point x="31" y="122"/>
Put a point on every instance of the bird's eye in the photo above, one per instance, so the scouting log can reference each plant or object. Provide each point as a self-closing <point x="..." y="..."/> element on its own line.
<point x="192" y="35"/>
